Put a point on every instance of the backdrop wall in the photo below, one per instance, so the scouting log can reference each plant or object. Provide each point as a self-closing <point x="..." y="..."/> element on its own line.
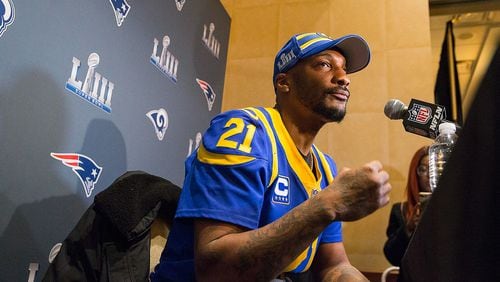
<point x="89" y="90"/>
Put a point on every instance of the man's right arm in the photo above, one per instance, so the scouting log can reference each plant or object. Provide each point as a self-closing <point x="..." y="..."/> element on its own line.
<point x="228" y="252"/>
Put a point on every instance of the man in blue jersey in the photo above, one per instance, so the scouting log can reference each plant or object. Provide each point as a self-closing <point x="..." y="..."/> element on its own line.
<point x="260" y="202"/>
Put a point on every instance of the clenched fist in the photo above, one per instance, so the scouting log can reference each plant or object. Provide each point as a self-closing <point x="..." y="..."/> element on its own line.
<point x="357" y="193"/>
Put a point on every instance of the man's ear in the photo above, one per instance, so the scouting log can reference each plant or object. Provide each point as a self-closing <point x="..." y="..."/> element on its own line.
<point x="282" y="83"/>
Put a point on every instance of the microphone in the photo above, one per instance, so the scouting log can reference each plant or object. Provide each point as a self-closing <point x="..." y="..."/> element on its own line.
<point x="418" y="117"/>
<point x="395" y="109"/>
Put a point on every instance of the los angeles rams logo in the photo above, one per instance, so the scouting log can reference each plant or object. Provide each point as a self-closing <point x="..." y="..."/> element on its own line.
<point x="121" y="9"/>
<point x="7" y="15"/>
<point x="84" y="167"/>
<point x="159" y="118"/>
<point x="208" y="92"/>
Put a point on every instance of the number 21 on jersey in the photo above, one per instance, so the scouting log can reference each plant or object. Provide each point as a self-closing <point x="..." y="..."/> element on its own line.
<point x="237" y="130"/>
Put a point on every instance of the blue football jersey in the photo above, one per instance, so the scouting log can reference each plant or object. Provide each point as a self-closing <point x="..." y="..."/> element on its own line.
<point x="247" y="171"/>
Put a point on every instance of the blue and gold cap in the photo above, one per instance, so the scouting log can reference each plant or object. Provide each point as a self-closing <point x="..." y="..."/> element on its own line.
<point x="303" y="45"/>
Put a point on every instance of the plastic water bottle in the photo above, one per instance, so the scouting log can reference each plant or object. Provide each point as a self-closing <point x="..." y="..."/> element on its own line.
<point x="440" y="151"/>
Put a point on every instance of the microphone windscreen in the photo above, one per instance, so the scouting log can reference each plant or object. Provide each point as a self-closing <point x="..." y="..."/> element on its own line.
<point x="395" y="109"/>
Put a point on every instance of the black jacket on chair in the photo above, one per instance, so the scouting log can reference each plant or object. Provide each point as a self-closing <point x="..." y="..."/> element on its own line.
<point x="111" y="242"/>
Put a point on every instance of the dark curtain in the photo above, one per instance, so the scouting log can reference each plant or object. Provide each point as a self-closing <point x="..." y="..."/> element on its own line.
<point x="447" y="87"/>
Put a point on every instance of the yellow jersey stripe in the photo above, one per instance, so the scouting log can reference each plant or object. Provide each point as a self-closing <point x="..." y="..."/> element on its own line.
<point x="298" y="260"/>
<point x="314" y="245"/>
<point x="326" y="166"/>
<point x="207" y="157"/>
<point x="270" y="133"/>
<point x="297" y="162"/>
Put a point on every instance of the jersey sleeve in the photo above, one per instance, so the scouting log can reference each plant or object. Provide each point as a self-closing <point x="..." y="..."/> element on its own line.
<point x="333" y="233"/>
<point x="227" y="178"/>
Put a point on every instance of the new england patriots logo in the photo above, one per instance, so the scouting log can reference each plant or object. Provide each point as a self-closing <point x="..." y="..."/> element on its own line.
<point x="208" y="91"/>
<point x="86" y="169"/>
<point x="159" y="118"/>
<point x="7" y="15"/>
<point x="121" y="9"/>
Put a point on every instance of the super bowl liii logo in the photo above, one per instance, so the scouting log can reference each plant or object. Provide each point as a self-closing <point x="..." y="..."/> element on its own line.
<point x="166" y="62"/>
<point x="7" y="15"/>
<point x="210" y="41"/>
<point x="285" y="59"/>
<point x="91" y="85"/>
<point x="35" y="266"/>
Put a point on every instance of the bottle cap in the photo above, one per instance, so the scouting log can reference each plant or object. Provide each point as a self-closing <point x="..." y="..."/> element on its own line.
<point x="447" y="127"/>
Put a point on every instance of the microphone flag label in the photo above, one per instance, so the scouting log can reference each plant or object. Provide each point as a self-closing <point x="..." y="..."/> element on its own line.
<point x="424" y="118"/>
<point x="420" y="113"/>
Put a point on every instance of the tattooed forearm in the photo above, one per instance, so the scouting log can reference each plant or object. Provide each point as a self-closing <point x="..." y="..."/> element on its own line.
<point x="344" y="273"/>
<point x="270" y="246"/>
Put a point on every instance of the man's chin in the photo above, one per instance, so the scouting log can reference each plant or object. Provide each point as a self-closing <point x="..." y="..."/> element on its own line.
<point x="331" y="114"/>
<point x="337" y="119"/>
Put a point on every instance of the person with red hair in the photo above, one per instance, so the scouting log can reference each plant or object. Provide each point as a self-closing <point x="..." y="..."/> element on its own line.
<point x="405" y="215"/>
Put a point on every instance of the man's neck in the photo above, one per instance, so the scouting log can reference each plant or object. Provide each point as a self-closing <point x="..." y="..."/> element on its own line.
<point x="302" y="128"/>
